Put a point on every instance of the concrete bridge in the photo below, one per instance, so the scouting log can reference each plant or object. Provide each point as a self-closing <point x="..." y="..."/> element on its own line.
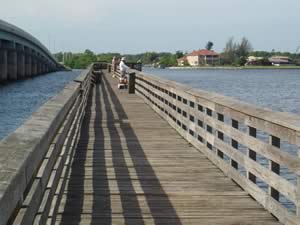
<point x="22" y="55"/>
<point x="157" y="153"/>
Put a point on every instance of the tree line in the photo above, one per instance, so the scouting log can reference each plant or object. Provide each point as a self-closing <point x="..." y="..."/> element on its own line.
<point x="235" y="53"/>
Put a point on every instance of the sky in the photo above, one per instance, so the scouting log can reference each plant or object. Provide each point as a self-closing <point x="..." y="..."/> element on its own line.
<point x="135" y="26"/>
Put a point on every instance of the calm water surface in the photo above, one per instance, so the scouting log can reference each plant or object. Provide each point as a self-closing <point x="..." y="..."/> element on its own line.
<point x="18" y="100"/>
<point x="275" y="89"/>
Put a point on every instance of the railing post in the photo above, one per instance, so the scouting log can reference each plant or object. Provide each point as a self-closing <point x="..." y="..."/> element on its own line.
<point x="274" y="167"/>
<point x="131" y="84"/>
<point x="220" y="136"/>
<point x="251" y="154"/>
<point x="234" y="143"/>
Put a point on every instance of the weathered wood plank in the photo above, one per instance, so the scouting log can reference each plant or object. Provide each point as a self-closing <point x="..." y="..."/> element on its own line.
<point x="131" y="167"/>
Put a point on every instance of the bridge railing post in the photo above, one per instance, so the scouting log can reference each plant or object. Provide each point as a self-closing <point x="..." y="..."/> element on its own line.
<point x="274" y="167"/>
<point x="220" y="135"/>
<point x="131" y="83"/>
<point x="234" y="143"/>
<point x="109" y="68"/>
<point x="251" y="153"/>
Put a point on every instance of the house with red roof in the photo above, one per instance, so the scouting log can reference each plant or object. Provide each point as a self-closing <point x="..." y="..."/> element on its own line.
<point x="200" y="57"/>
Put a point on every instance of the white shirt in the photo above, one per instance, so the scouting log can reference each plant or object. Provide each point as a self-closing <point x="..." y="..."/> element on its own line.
<point x="123" y="67"/>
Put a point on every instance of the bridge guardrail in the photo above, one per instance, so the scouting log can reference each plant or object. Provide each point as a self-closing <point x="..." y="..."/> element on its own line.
<point x="251" y="145"/>
<point x="35" y="157"/>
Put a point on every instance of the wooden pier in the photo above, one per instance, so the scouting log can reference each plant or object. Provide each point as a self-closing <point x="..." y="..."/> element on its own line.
<point x="132" y="167"/>
<point x="156" y="153"/>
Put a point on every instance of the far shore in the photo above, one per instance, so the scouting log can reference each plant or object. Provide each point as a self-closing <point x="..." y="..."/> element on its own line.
<point x="232" y="67"/>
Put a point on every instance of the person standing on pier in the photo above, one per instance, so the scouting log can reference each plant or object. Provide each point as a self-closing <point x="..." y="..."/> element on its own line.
<point x="115" y="62"/>
<point x="123" y="67"/>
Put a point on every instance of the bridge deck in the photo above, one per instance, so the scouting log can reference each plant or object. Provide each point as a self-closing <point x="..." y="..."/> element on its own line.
<point x="131" y="167"/>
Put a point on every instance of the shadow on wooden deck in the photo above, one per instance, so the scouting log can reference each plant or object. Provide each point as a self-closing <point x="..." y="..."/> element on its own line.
<point x="102" y="198"/>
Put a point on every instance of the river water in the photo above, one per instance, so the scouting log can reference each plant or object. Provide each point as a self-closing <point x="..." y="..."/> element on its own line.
<point x="275" y="89"/>
<point x="18" y="100"/>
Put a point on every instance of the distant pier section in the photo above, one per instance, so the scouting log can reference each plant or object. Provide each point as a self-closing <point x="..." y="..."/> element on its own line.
<point x="23" y="56"/>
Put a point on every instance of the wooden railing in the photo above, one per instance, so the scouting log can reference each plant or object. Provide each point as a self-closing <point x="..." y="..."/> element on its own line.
<point x="35" y="159"/>
<point x="251" y="145"/>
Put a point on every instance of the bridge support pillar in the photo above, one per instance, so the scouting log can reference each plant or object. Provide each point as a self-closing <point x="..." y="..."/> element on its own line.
<point x="43" y="68"/>
<point x="33" y="65"/>
<point x="21" y="63"/>
<point x="28" y="63"/>
<point x="3" y="63"/>
<point x="12" y="62"/>
<point x="38" y="70"/>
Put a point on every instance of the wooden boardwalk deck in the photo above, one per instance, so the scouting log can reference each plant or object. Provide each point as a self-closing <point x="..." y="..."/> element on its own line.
<point x="131" y="167"/>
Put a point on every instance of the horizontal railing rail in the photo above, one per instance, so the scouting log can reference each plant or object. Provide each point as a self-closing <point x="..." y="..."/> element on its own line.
<point x="37" y="155"/>
<point x="256" y="147"/>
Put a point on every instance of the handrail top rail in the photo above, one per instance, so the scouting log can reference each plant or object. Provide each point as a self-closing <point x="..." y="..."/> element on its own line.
<point x="284" y="119"/>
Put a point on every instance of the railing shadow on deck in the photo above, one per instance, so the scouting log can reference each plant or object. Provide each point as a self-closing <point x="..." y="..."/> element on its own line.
<point x="158" y="217"/>
<point x="75" y="199"/>
<point x="101" y="193"/>
<point x="129" y="201"/>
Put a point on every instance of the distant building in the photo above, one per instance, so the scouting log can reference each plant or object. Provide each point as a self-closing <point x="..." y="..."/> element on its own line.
<point x="257" y="61"/>
<point x="182" y="61"/>
<point x="281" y="61"/>
<point x="202" y="57"/>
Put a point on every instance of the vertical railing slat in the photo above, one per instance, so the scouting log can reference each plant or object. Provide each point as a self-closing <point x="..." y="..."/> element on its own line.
<point x="251" y="153"/>
<point x="234" y="143"/>
<point x="273" y="166"/>
<point x="220" y="135"/>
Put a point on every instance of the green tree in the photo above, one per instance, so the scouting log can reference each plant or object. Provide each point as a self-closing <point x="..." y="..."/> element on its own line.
<point x="107" y="57"/>
<point x="150" y="57"/>
<point x="236" y="53"/>
<point x="243" y="48"/>
<point x="228" y="55"/>
<point x="168" y="60"/>
<point x="59" y="56"/>
<point x="179" y="54"/>
<point x="81" y="60"/>
<point x="209" y="45"/>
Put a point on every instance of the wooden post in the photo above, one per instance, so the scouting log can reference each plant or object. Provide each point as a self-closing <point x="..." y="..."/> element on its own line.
<point x="275" y="167"/>
<point x="234" y="143"/>
<point x="131" y="83"/>
<point x="220" y="135"/>
<point x="251" y="154"/>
